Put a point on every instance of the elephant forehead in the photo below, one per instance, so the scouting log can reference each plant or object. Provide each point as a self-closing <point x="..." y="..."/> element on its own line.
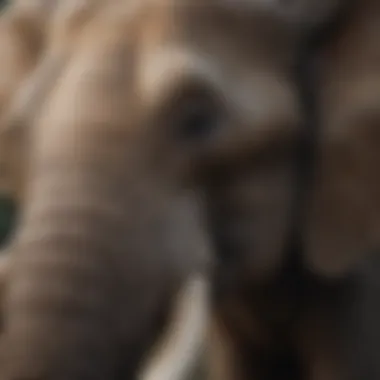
<point x="187" y="44"/>
<point x="164" y="54"/>
<point x="251" y="93"/>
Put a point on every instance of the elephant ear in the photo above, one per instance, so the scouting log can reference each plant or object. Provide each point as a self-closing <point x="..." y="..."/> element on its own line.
<point x="343" y="226"/>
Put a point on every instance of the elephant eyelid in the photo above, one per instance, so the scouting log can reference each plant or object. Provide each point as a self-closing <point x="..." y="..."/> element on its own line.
<point x="194" y="112"/>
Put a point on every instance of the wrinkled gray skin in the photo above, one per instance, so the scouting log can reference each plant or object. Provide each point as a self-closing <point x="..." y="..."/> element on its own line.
<point x="114" y="219"/>
<point x="114" y="223"/>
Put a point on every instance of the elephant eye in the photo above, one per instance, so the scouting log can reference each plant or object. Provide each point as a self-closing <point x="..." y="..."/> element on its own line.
<point x="196" y="114"/>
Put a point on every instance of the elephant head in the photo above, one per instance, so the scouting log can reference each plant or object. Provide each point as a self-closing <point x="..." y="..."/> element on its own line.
<point x="155" y="106"/>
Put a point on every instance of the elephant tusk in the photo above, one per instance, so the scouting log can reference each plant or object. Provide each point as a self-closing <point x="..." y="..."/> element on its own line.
<point x="176" y="354"/>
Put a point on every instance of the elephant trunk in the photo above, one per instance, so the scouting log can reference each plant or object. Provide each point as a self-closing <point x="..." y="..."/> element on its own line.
<point x="104" y="244"/>
<point x="65" y="301"/>
<point x="63" y="293"/>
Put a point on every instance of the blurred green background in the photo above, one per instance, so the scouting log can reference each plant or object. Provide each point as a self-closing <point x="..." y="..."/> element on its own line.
<point x="7" y="219"/>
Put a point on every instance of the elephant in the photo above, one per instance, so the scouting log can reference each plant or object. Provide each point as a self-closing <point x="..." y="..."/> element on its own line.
<point x="245" y="177"/>
<point x="155" y="107"/>
<point x="105" y="157"/>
